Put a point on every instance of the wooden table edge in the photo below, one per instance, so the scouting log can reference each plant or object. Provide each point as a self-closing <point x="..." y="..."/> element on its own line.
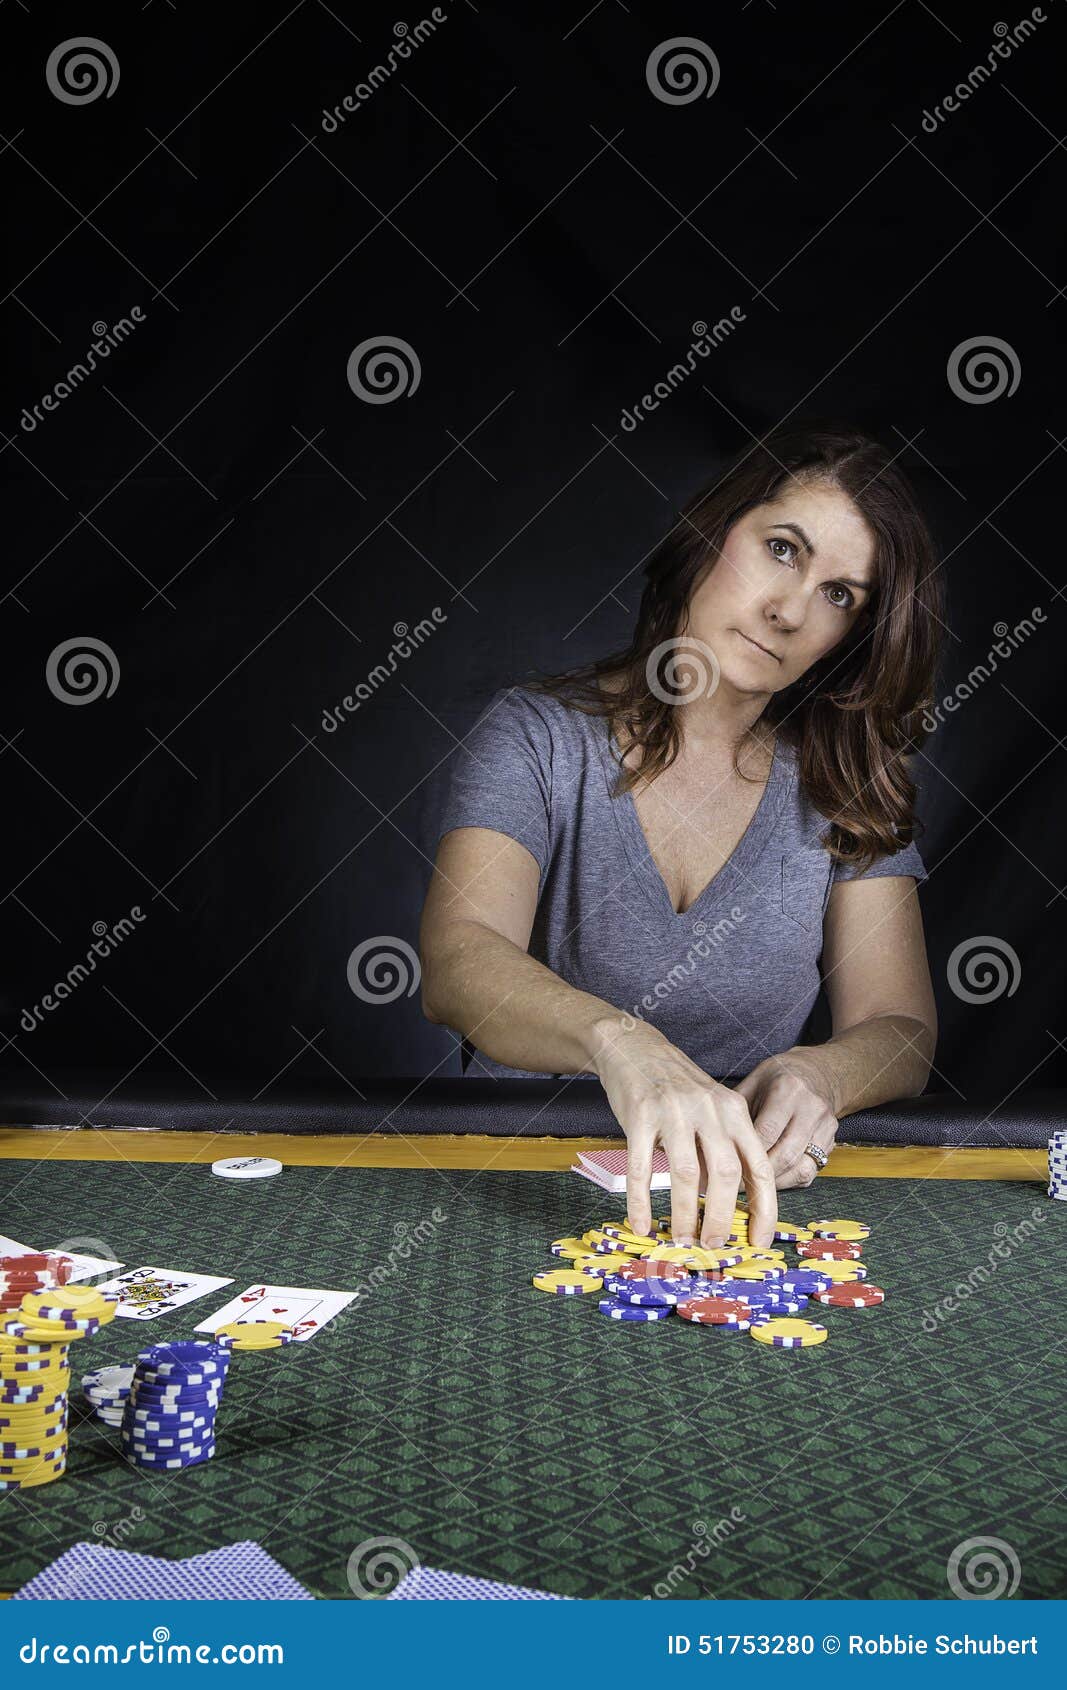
<point x="475" y="1151"/>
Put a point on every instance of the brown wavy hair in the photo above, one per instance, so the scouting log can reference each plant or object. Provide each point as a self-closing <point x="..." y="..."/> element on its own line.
<point x="855" y="716"/>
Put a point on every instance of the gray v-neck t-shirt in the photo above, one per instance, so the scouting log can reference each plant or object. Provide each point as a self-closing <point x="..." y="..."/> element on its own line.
<point x="731" y="980"/>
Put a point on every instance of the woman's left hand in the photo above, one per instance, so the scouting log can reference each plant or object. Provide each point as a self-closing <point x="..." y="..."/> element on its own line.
<point x="791" y="1107"/>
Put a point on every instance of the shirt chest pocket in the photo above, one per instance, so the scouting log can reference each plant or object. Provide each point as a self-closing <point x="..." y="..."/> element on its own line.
<point x="806" y="888"/>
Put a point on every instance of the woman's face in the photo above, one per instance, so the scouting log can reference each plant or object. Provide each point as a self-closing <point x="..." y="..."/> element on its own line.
<point x="795" y="576"/>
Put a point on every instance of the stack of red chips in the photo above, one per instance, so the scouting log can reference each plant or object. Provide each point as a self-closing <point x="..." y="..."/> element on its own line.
<point x="36" y="1271"/>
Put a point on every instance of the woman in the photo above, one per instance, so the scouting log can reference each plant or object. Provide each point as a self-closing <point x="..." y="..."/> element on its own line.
<point x="635" y="878"/>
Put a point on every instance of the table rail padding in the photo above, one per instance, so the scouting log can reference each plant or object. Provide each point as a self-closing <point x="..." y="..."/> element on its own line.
<point x="570" y="1108"/>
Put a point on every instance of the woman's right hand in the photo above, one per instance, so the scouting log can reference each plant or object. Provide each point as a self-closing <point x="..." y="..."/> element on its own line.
<point x="658" y="1095"/>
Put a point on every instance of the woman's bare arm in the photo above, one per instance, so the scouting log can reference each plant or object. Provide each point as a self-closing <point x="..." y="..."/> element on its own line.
<point x="477" y="975"/>
<point x="478" y="978"/>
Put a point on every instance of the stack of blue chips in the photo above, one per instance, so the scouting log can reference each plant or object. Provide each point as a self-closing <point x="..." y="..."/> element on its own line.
<point x="1057" y="1166"/>
<point x="169" y="1418"/>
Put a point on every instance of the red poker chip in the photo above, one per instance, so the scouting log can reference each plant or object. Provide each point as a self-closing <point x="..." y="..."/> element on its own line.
<point x="715" y="1311"/>
<point x="831" y="1250"/>
<point x="639" y="1269"/>
<point x="854" y="1294"/>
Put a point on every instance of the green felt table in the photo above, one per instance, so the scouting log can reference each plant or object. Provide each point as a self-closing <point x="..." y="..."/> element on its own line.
<point x="491" y="1429"/>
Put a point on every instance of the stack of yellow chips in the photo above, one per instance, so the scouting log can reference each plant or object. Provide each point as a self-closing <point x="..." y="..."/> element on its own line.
<point x="35" y="1379"/>
<point x="254" y="1335"/>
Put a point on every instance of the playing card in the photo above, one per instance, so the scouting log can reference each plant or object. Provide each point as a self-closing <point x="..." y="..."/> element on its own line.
<point x="146" y="1292"/>
<point x="305" y="1308"/>
<point x="238" y="1572"/>
<point x="432" y="1584"/>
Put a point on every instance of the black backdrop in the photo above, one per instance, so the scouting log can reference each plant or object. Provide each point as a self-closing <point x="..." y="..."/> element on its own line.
<point x="242" y="531"/>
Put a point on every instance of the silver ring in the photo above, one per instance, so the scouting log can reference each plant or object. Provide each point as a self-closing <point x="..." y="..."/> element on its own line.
<point x="817" y="1154"/>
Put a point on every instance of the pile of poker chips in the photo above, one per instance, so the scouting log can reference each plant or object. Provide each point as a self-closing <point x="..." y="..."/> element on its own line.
<point x="35" y="1378"/>
<point x="106" y="1391"/>
<point x="246" y="1335"/>
<point x="734" y="1289"/>
<point x="168" y="1419"/>
<point x="1057" y="1166"/>
<point x="34" y="1271"/>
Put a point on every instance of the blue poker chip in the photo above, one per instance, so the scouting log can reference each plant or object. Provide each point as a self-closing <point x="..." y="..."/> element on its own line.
<point x="154" y="1393"/>
<point x="616" y="1309"/>
<point x="757" y="1293"/>
<point x="786" y="1305"/>
<point x="158" y="1428"/>
<point x="183" y="1356"/>
<point x="806" y="1280"/>
<point x="181" y="1381"/>
<point x="170" y="1446"/>
<point x="653" y="1293"/>
<point x="153" y="1443"/>
<point x="159" y="1452"/>
<point x="166" y="1462"/>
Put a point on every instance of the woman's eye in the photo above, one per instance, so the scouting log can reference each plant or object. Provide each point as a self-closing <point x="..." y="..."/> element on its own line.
<point x="789" y="546"/>
<point x="846" y="603"/>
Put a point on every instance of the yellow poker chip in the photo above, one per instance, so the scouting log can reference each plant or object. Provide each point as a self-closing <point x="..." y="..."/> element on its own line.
<point x="750" y="1253"/>
<point x="251" y="1329"/>
<point x="40" y="1473"/>
<point x="568" y="1247"/>
<point x="564" y="1282"/>
<point x="594" y="1236"/>
<point x="840" y="1229"/>
<point x="685" y="1255"/>
<point x="78" y="1301"/>
<point x="783" y="1333"/>
<point x="713" y="1258"/>
<point x="753" y="1270"/>
<point x="601" y="1264"/>
<point x="839" y="1272"/>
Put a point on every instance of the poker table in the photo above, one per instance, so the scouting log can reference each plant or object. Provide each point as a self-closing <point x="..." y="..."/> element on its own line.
<point x="459" y="1417"/>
